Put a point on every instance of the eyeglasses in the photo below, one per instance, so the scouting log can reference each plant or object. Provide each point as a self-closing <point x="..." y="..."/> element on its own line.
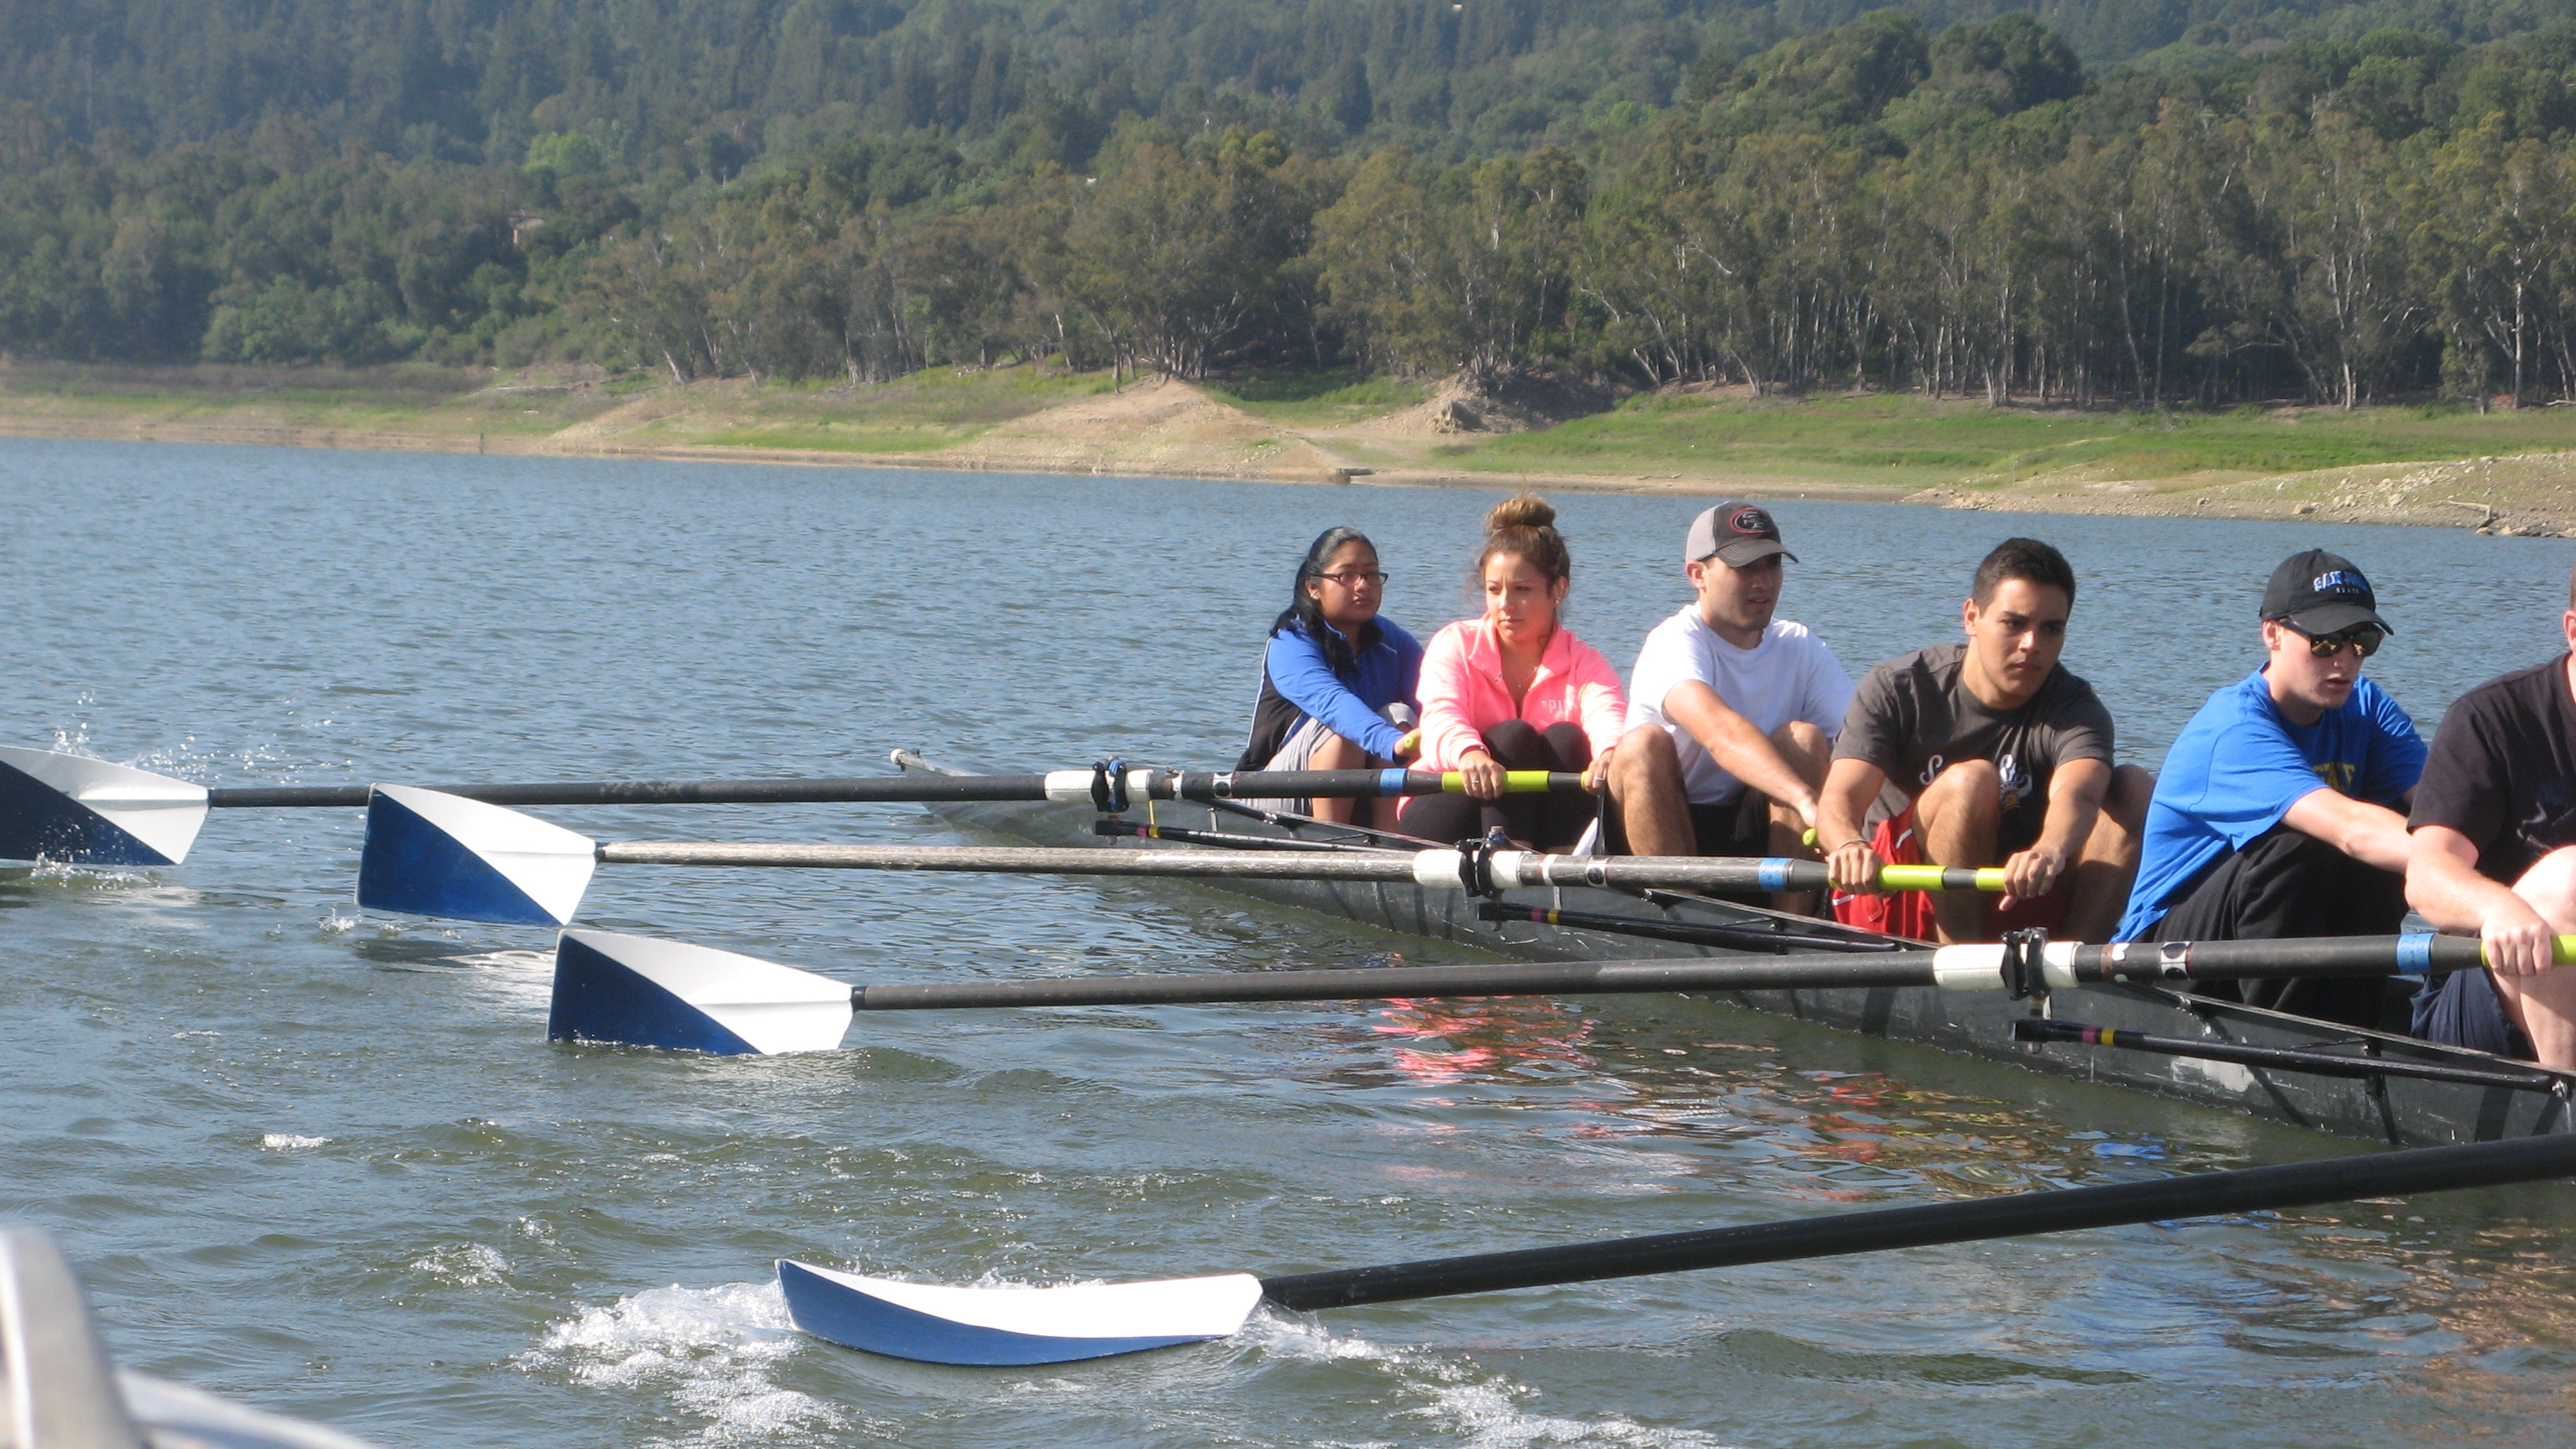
<point x="2362" y="639"/>
<point x="1353" y="578"/>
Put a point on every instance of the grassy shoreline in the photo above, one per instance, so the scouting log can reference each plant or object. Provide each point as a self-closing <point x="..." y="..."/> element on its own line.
<point x="2404" y="463"/>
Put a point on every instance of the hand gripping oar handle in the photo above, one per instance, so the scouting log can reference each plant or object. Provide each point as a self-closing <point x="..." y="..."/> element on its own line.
<point x="1438" y="869"/>
<point x="2252" y="1189"/>
<point x="1063" y="786"/>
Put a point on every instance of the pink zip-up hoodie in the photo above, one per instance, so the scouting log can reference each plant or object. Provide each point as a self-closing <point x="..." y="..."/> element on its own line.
<point x="1462" y="691"/>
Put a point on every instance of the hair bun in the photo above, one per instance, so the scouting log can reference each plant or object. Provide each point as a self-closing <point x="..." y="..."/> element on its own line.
<point x="1521" y="510"/>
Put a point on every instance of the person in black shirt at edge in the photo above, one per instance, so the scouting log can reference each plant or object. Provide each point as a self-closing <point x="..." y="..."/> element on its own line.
<point x="2492" y="852"/>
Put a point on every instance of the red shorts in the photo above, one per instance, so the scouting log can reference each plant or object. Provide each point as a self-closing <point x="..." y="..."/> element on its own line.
<point x="1909" y="913"/>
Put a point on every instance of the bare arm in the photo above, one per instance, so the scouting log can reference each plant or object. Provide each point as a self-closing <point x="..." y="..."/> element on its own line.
<point x="1850" y="786"/>
<point x="2371" y="834"/>
<point x="2442" y="881"/>
<point x="1740" y="749"/>
<point x="2075" y="794"/>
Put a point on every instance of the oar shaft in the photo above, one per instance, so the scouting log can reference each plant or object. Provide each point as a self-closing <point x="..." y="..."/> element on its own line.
<point x="1032" y="860"/>
<point x="1437" y="869"/>
<point x="863" y="789"/>
<point x="2253" y="1189"/>
<point x="1574" y="978"/>
<point x="1954" y="968"/>
<point x="1065" y="786"/>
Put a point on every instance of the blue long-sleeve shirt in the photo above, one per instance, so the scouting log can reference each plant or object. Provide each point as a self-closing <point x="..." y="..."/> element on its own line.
<point x="1295" y="671"/>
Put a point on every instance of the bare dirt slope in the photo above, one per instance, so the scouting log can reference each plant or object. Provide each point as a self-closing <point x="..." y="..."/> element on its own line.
<point x="1157" y="426"/>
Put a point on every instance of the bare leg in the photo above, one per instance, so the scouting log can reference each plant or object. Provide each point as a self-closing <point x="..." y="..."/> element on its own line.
<point x="1335" y="753"/>
<point x="1807" y="751"/>
<point x="1959" y="817"/>
<point x="1646" y="790"/>
<point x="2107" y="865"/>
<point x="2544" y="1006"/>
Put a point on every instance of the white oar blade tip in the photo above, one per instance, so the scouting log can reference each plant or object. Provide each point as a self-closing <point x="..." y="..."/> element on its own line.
<point x="929" y="1323"/>
<point x="639" y="991"/>
<point x="81" y="811"/>
<point x="433" y="854"/>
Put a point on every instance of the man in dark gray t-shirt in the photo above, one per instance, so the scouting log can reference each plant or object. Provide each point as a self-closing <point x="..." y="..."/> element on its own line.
<point x="1984" y="753"/>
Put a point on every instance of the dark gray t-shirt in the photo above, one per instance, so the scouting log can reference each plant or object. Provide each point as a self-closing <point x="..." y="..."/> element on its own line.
<point x="1912" y="718"/>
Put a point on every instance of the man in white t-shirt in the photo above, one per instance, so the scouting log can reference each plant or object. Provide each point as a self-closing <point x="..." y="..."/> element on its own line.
<point x="1731" y="713"/>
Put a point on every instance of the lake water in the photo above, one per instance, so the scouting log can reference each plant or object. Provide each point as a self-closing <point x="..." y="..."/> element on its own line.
<point x="327" y="1161"/>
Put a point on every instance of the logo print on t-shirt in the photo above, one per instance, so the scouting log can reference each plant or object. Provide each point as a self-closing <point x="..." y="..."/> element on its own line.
<point x="2552" y="821"/>
<point x="2016" y="782"/>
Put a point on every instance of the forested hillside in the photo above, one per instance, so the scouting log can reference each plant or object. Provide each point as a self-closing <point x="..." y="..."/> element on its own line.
<point x="2158" y="201"/>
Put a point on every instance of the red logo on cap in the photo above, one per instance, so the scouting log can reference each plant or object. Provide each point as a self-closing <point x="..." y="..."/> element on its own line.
<point x="1750" y="520"/>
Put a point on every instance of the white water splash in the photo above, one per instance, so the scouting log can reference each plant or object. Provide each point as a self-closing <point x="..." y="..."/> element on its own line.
<point x="714" y="1347"/>
<point x="1488" y="1415"/>
<point x="462" y="1265"/>
<point x="1471" y="1406"/>
<point x="291" y="1142"/>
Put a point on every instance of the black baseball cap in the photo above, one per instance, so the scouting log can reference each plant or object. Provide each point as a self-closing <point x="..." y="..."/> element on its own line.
<point x="2317" y="592"/>
<point x="1738" y="533"/>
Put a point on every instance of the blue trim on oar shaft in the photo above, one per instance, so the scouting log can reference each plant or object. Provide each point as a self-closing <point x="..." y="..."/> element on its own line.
<point x="2150" y="962"/>
<point x="2294" y="1059"/>
<point x="2253" y="1189"/>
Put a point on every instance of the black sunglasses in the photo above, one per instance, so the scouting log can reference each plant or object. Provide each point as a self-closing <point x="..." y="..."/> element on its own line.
<point x="2363" y="639"/>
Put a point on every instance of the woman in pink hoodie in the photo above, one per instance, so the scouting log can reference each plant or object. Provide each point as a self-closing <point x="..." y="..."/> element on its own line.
<point x="1515" y="690"/>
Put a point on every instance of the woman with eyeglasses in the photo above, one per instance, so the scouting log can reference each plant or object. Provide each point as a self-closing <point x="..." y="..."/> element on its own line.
<point x="1513" y="689"/>
<point x="1337" y="682"/>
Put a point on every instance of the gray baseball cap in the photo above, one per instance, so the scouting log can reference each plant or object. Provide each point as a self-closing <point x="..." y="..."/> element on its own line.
<point x="1738" y="533"/>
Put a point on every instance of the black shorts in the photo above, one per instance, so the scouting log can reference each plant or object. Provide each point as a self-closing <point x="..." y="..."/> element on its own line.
<point x="1741" y="827"/>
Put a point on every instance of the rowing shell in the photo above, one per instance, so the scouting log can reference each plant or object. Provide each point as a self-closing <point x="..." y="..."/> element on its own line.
<point x="2401" y="1111"/>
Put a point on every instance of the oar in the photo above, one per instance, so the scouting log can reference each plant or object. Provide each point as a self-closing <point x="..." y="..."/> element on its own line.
<point x="429" y="853"/>
<point x="81" y="811"/>
<point x="640" y="991"/>
<point x="931" y="1323"/>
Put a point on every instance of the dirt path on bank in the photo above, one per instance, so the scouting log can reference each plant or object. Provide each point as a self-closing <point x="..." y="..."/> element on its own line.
<point x="1163" y="427"/>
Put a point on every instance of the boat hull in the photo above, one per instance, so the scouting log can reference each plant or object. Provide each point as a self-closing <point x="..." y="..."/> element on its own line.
<point x="2400" y="1111"/>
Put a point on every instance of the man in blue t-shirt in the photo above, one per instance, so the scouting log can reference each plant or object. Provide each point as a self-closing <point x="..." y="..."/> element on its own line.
<point x="2280" y="810"/>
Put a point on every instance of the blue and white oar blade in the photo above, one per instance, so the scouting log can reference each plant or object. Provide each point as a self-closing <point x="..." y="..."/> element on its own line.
<point x="643" y="992"/>
<point x="430" y="854"/>
<point x="89" y="812"/>
<point x="933" y="1324"/>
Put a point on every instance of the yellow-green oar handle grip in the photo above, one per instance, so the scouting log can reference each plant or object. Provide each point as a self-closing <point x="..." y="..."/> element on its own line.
<point x="1517" y="782"/>
<point x="2562" y="950"/>
<point x="1941" y="878"/>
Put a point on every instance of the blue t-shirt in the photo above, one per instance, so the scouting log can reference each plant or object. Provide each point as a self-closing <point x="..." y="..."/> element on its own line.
<point x="2240" y="765"/>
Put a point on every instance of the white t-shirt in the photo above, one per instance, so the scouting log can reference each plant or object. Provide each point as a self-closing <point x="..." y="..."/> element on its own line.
<point x="1790" y="675"/>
